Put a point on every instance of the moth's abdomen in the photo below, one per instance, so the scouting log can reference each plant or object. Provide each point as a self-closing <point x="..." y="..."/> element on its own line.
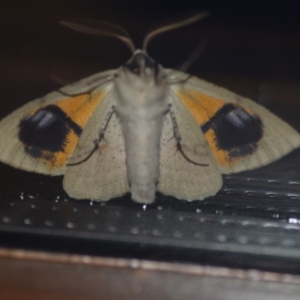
<point x="142" y="143"/>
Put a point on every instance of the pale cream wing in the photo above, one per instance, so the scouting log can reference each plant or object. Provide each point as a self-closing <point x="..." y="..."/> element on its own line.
<point x="41" y="135"/>
<point x="180" y="177"/>
<point x="242" y="134"/>
<point x="103" y="175"/>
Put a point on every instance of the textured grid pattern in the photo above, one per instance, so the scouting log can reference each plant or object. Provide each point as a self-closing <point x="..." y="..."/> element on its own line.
<point x="254" y="221"/>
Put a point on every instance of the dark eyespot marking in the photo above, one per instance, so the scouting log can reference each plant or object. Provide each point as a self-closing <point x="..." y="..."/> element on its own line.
<point x="237" y="131"/>
<point x="45" y="132"/>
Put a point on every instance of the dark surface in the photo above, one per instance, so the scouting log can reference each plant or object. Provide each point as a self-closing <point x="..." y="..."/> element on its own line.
<point x="252" y="49"/>
<point x="253" y="222"/>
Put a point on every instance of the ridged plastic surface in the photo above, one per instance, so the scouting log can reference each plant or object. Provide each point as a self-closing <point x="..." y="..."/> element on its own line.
<point x="253" y="222"/>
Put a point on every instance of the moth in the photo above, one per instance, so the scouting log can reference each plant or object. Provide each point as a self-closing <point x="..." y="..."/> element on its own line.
<point x="141" y="129"/>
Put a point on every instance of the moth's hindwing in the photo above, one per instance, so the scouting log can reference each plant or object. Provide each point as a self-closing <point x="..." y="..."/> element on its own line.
<point x="42" y="135"/>
<point x="181" y="177"/>
<point x="241" y="134"/>
<point x="103" y="175"/>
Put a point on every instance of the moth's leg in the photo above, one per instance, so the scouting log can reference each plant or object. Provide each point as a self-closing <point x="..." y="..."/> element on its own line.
<point x="104" y="126"/>
<point x="175" y="126"/>
<point x="100" y="137"/>
<point x="178" y="137"/>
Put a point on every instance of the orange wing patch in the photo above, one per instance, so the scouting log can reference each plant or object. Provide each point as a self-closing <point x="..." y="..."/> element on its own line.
<point x="231" y="131"/>
<point x="201" y="106"/>
<point x="50" y="134"/>
<point x="80" y="108"/>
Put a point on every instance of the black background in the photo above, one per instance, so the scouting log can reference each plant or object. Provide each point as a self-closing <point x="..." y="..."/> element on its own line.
<point x="252" y="47"/>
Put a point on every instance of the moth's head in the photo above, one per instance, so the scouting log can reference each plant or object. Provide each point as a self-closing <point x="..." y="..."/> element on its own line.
<point x="141" y="69"/>
<point x="141" y="78"/>
<point x="141" y="63"/>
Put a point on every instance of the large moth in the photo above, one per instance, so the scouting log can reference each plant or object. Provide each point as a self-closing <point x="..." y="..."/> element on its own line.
<point x="141" y="129"/>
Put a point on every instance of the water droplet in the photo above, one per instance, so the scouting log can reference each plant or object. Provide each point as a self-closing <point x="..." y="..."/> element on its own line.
<point x="6" y="219"/>
<point x="243" y="239"/>
<point x="159" y="216"/>
<point x="222" y="238"/>
<point x="293" y="221"/>
<point x="156" y="232"/>
<point x="91" y="226"/>
<point x="198" y="235"/>
<point x="177" y="234"/>
<point x="264" y="240"/>
<point x="288" y="242"/>
<point x="27" y="221"/>
<point x="112" y="228"/>
<point x="134" y="230"/>
<point x="49" y="223"/>
<point x="70" y="225"/>
<point x="134" y="263"/>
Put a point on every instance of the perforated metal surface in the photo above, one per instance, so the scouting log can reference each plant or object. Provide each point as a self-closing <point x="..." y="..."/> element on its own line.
<point x="253" y="222"/>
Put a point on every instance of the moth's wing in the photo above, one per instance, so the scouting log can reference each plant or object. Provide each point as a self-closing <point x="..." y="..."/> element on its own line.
<point x="41" y="135"/>
<point x="242" y="134"/>
<point x="180" y="173"/>
<point x="101" y="174"/>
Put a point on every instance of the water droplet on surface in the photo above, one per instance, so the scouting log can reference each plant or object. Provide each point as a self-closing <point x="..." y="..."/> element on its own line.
<point x="27" y="221"/>
<point x="156" y="232"/>
<point x="70" y="225"/>
<point x="112" y="228"/>
<point x="91" y="226"/>
<point x="134" y="230"/>
<point x="177" y="234"/>
<point x="222" y="238"/>
<point x="49" y="223"/>
<point x="6" y="219"/>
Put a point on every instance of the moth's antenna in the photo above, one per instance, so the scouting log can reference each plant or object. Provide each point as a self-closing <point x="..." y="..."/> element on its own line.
<point x="96" y="27"/>
<point x="194" y="56"/>
<point x="169" y="27"/>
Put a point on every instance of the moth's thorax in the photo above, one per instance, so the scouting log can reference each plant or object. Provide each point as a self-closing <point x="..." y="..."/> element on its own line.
<point x="141" y="84"/>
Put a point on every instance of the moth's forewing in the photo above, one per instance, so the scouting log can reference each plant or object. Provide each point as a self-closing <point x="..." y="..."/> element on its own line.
<point x="241" y="134"/>
<point x="191" y="173"/>
<point x="102" y="175"/>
